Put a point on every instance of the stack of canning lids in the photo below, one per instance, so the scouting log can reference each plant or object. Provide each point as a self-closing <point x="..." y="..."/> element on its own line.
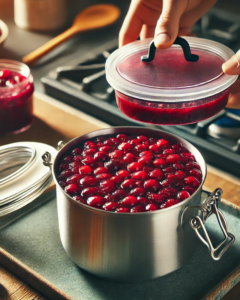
<point x="23" y="177"/>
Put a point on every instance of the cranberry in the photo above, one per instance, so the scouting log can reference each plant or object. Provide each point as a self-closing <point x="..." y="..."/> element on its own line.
<point x="147" y="169"/>
<point x="10" y="82"/>
<point x="119" y="194"/>
<point x="178" y="166"/>
<point x="75" y="164"/>
<point x="128" y="184"/>
<point x="134" y="167"/>
<point x="138" y="191"/>
<point x="163" y="143"/>
<point x="189" y="189"/>
<point x="151" y="184"/>
<point x="105" y="149"/>
<point x="115" y="141"/>
<point x="154" y="148"/>
<point x="166" y="183"/>
<point x="116" y="179"/>
<point x="177" y="147"/>
<point x="188" y="156"/>
<point x="95" y="201"/>
<point x="71" y="189"/>
<point x="142" y="138"/>
<point x="65" y="174"/>
<point x="129" y="157"/>
<point x="183" y="195"/>
<point x="137" y="209"/>
<point x="101" y="156"/>
<point x="192" y="165"/>
<point x="88" y="181"/>
<point x="156" y="174"/>
<point x="142" y="200"/>
<point x="103" y="176"/>
<point x="180" y="174"/>
<point x="89" y="161"/>
<point x="116" y="154"/>
<point x="110" y="206"/>
<point x="141" y="147"/>
<point x="163" y="156"/>
<point x="100" y="139"/>
<point x="173" y="158"/>
<point x="196" y="173"/>
<point x="5" y="74"/>
<point x="110" y="198"/>
<point x="155" y="197"/>
<point x="140" y="175"/>
<point x="160" y="162"/>
<point x="145" y="160"/>
<point x="85" y="170"/>
<point x="169" y="151"/>
<point x="169" y="202"/>
<point x="171" y="177"/>
<point x="135" y="142"/>
<point x="123" y="174"/>
<point x="168" y="192"/>
<point x="77" y="151"/>
<point x="129" y="201"/>
<point x="152" y="141"/>
<point x="123" y="210"/>
<point x="107" y="186"/>
<point x="122" y="137"/>
<point x="146" y="153"/>
<point x="100" y="170"/>
<point x="89" y="152"/>
<point x="125" y="146"/>
<point x="192" y="181"/>
<point x="152" y="207"/>
<point x="113" y="165"/>
<point x="89" y="191"/>
<point x="168" y="170"/>
<point x="74" y="178"/>
<point x="90" y="144"/>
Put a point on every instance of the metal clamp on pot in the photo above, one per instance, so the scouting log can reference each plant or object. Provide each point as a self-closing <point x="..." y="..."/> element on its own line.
<point x="209" y="207"/>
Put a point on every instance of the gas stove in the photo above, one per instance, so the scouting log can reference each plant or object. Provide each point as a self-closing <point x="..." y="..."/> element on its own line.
<point x="82" y="84"/>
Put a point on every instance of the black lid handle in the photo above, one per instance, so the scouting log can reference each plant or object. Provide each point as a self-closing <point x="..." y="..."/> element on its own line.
<point x="179" y="41"/>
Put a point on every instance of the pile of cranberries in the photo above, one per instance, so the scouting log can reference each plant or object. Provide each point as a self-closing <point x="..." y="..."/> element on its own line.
<point x="126" y="174"/>
<point x="9" y="78"/>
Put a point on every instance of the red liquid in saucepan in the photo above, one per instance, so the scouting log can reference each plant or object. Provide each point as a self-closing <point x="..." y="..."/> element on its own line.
<point x="16" y="105"/>
<point x="169" y="70"/>
<point x="129" y="173"/>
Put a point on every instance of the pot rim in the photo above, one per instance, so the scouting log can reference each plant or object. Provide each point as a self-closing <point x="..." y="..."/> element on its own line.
<point x="97" y="133"/>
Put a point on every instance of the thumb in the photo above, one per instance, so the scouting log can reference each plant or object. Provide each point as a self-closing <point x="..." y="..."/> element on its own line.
<point x="168" y="24"/>
<point x="232" y="66"/>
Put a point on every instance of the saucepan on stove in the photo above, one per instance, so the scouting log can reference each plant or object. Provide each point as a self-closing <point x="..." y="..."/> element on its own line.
<point x="180" y="85"/>
<point x="129" y="202"/>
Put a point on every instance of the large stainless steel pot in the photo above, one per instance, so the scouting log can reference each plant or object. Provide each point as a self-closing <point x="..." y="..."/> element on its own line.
<point x="135" y="247"/>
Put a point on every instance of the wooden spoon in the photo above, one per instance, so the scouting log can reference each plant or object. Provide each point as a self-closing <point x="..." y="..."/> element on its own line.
<point x="92" y="17"/>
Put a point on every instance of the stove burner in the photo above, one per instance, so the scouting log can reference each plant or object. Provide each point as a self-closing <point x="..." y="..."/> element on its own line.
<point x="82" y="84"/>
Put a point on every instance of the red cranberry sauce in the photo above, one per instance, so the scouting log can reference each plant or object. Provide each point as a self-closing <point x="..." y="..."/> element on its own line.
<point x="170" y="114"/>
<point x="16" y="105"/>
<point x="129" y="173"/>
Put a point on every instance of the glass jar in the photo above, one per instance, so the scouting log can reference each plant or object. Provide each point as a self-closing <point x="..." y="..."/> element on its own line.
<point x="16" y="100"/>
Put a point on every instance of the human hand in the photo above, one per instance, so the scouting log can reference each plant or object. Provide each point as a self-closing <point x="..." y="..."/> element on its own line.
<point x="232" y="67"/>
<point x="176" y="19"/>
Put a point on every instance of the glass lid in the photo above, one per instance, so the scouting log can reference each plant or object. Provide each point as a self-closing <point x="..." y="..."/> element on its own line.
<point x="169" y="76"/>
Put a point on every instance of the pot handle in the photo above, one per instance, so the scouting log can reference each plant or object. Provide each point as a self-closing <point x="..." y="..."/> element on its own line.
<point x="47" y="157"/>
<point x="209" y="207"/>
